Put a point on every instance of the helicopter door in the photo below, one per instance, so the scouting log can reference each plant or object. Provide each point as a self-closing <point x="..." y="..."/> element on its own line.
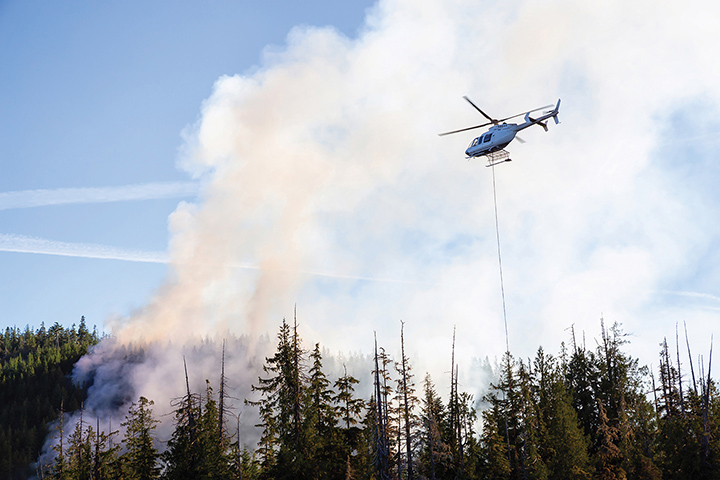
<point x="487" y="137"/>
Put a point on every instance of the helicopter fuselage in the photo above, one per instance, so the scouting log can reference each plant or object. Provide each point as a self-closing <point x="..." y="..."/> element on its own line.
<point x="495" y="139"/>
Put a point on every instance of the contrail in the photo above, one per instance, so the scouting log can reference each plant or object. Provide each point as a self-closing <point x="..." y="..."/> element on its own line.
<point x="706" y="296"/>
<point x="123" y="193"/>
<point x="24" y="244"/>
<point x="43" y="246"/>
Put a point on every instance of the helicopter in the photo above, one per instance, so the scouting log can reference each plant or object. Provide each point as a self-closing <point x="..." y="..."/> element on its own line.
<point x="492" y="143"/>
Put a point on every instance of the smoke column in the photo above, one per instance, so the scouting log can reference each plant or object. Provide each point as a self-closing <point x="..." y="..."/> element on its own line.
<point x="326" y="158"/>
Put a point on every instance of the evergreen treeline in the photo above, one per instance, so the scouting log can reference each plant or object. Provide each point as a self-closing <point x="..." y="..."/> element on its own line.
<point x="585" y="414"/>
<point x="34" y="385"/>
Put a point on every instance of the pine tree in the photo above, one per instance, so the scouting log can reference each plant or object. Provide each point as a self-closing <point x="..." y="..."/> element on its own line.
<point x="435" y="456"/>
<point x="35" y="378"/>
<point x="212" y="446"/>
<point x="105" y="463"/>
<point x="389" y="411"/>
<point x="59" y="470"/>
<point x="349" y="408"/>
<point x="181" y="458"/>
<point x="532" y="430"/>
<point x="564" y="446"/>
<point x="494" y="457"/>
<point x="510" y="406"/>
<point x="609" y="456"/>
<point x="79" y="451"/>
<point x="324" y="443"/>
<point x="582" y="379"/>
<point x="283" y="448"/>
<point x="377" y="421"/>
<point x="139" y="462"/>
<point x="407" y="401"/>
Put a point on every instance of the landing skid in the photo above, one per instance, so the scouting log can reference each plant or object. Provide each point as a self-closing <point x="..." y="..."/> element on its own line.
<point x="495" y="158"/>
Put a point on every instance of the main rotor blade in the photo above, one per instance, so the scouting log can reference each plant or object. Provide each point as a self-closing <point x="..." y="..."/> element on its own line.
<point x="492" y="120"/>
<point x="465" y="129"/>
<point x="523" y="113"/>
<point x="519" y="139"/>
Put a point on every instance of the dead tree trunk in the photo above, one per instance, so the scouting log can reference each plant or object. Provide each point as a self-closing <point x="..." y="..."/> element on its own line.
<point x="705" y="414"/>
<point x="677" y="348"/>
<point x="692" y="372"/>
<point x="381" y="443"/>
<point x="221" y="409"/>
<point x="406" y="406"/>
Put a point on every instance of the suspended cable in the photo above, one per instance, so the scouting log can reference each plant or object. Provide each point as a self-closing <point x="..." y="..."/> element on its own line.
<point x="507" y="342"/>
<point x="502" y="285"/>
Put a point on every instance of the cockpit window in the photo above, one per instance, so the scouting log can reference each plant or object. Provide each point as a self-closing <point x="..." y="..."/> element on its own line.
<point x="475" y="142"/>
<point x="487" y="137"/>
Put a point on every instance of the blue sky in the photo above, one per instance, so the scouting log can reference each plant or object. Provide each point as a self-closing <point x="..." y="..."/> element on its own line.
<point x="282" y="153"/>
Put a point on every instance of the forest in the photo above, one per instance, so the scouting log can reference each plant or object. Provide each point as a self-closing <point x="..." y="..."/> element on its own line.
<point x="35" y="387"/>
<point x="581" y="414"/>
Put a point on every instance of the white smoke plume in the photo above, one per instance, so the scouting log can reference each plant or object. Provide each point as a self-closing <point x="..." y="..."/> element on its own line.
<point x="326" y="158"/>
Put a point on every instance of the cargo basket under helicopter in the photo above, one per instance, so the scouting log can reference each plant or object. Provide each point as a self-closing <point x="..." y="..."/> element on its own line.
<point x="498" y="157"/>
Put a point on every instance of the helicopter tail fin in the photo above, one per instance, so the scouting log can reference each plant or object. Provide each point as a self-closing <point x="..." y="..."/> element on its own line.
<point x="557" y="109"/>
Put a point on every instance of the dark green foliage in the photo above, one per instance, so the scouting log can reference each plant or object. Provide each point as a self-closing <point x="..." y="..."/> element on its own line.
<point x="349" y="408"/>
<point x="587" y="414"/>
<point x="34" y="381"/>
<point x="181" y="458"/>
<point x="435" y="454"/>
<point x="407" y="401"/>
<point x="139" y="462"/>
<point x="324" y="438"/>
<point x="197" y="449"/>
<point x="283" y="446"/>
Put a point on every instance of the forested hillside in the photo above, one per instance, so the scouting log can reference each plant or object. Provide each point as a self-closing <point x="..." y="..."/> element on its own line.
<point x="34" y="386"/>
<point x="582" y="414"/>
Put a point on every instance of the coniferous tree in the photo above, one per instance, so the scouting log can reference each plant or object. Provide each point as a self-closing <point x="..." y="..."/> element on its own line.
<point x="377" y="420"/>
<point x="212" y="446"/>
<point x="532" y="429"/>
<point x="181" y="458"/>
<point x="435" y="456"/>
<point x="35" y="368"/>
<point x="564" y="446"/>
<point x="139" y="462"/>
<point x="494" y="458"/>
<point x="348" y="407"/>
<point x="324" y="442"/>
<point x="407" y="402"/>
<point x="686" y="442"/>
<point x="582" y="379"/>
<point x="79" y="451"/>
<point x="59" y="469"/>
<point x="609" y="455"/>
<point x="389" y="412"/>
<point x="349" y="410"/>
<point x="105" y="463"/>
<point x="283" y="448"/>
